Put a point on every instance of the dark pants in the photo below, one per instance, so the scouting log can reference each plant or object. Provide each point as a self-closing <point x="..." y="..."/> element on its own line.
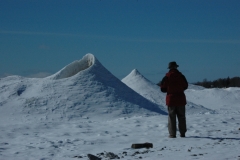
<point x="178" y="112"/>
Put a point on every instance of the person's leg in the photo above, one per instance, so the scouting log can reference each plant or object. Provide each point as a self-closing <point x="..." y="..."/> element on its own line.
<point x="172" y="122"/>
<point x="181" y="120"/>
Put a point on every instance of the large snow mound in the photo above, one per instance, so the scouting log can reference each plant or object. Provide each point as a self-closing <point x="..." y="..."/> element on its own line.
<point x="84" y="88"/>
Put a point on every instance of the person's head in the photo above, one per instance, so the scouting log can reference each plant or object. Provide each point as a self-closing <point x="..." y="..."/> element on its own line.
<point x="172" y="65"/>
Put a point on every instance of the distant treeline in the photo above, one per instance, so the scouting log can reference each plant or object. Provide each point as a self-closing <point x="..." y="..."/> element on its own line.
<point x="220" y="83"/>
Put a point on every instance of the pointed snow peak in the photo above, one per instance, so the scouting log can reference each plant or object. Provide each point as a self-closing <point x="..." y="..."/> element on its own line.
<point x="75" y="67"/>
<point x="135" y="72"/>
<point x="135" y="75"/>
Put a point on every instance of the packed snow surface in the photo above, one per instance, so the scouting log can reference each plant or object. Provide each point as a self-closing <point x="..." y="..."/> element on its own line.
<point x="84" y="109"/>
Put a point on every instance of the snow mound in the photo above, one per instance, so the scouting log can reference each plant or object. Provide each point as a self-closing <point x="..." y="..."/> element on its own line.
<point x="75" y="67"/>
<point x="192" y="108"/>
<point x="82" y="89"/>
<point x="218" y="99"/>
<point x="151" y="91"/>
<point x="145" y="87"/>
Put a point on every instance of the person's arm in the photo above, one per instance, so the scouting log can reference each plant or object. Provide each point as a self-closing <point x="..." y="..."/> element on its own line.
<point x="163" y="85"/>
<point x="185" y="82"/>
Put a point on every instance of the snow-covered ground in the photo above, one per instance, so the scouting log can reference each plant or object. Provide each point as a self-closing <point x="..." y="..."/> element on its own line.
<point x="84" y="109"/>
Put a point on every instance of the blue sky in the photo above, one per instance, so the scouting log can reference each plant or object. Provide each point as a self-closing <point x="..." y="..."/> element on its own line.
<point x="202" y="36"/>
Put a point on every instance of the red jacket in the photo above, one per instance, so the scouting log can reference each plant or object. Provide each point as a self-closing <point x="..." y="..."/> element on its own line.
<point x="174" y="84"/>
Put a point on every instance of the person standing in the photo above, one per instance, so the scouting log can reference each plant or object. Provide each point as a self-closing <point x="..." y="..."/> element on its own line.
<point x="174" y="84"/>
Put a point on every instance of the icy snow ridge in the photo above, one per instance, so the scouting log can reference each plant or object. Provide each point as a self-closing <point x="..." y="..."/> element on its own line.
<point x="75" y="67"/>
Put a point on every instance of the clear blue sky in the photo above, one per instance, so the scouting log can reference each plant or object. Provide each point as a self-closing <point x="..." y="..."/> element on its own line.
<point x="202" y="36"/>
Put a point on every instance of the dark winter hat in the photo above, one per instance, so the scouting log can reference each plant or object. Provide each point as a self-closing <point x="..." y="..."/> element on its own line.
<point x="172" y="64"/>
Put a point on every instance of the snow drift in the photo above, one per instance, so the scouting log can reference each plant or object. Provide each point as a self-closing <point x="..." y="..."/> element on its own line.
<point x="223" y="97"/>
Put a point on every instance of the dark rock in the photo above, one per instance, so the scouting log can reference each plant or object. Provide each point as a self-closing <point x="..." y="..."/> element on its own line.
<point x="77" y="157"/>
<point x="142" y="145"/>
<point x="21" y="90"/>
<point x="111" y="155"/>
<point x="124" y="152"/>
<point x="92" y="157"/>
<point x="100" y="154"/>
